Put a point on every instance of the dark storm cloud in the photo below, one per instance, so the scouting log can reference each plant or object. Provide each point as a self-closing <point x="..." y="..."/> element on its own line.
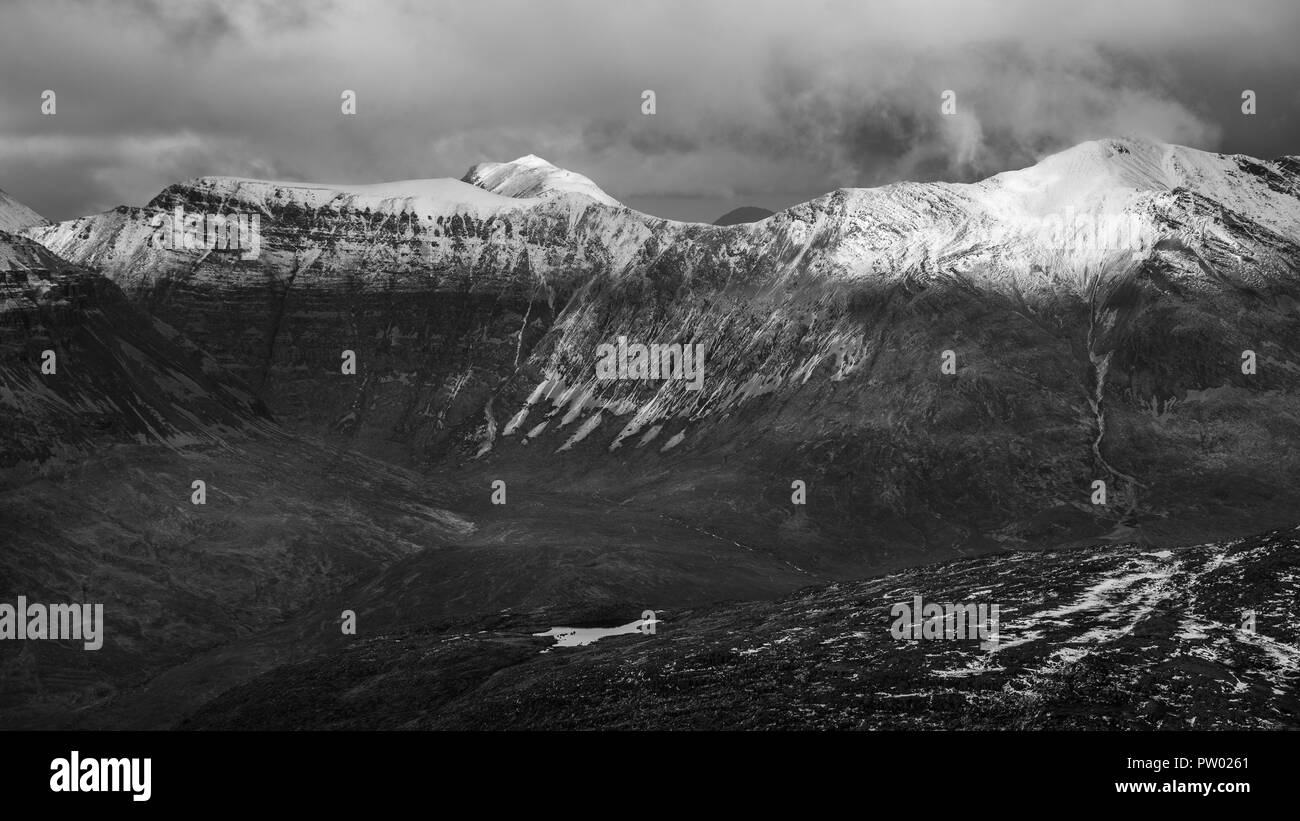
<point x="761" y="103"/>
<point x="184" y="26"/>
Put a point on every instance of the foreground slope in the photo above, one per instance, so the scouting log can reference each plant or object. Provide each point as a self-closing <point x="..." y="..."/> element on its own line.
<point x="1115" y="638"/>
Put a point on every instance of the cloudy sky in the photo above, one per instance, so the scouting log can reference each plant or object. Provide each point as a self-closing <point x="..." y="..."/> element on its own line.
<point x="758" y="103"/>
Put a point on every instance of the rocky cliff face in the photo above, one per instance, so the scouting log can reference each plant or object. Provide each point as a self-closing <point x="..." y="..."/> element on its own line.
<point x="1095" y="309"/>
<point x="439" y="287"/>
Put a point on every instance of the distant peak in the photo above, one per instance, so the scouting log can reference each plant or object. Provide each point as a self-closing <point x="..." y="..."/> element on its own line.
<point x="531" y="159"/>
<point x="531" y="176"/>
<point x="743" y="214"/>
<point x="1108" y="147"/>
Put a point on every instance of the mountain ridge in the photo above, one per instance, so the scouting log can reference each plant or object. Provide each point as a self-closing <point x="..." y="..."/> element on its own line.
<point x="532" y="178"/>
<point x="824" y="326"/>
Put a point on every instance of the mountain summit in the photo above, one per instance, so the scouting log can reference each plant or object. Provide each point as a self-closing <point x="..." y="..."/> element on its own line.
<point x="531" y="176"/>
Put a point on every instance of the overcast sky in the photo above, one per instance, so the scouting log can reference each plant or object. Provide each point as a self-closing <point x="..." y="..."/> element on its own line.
<point x="758" y="103"/>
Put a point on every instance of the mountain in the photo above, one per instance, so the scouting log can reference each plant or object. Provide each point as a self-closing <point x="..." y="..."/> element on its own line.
<point x="743" y="214"/>
<point x="403" y="274"/>
<point x="14" y="216"/>
<point x="1078" y="358"/>
<point x="1089" y="639"/>
<point x="1097" y="307"/>
<point x="112" y="417"/>
<point x="479" y="313"/>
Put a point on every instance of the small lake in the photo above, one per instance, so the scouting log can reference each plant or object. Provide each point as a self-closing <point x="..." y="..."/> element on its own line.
<point x="582" y="636"/>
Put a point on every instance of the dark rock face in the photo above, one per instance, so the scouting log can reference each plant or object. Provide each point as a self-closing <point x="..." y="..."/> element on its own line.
<point x="118" y="375"/>
<point x="98" y="456"/>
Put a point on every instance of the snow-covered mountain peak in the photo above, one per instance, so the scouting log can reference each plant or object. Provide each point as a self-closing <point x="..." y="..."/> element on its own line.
<point x="532" y="160"/>
<point x="1109" y="174"/>
<point x="1085" y="171"/>
<point x="486" y="189"/>
<point x="532" y="176"/>
<point x="1091" y="204"/>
